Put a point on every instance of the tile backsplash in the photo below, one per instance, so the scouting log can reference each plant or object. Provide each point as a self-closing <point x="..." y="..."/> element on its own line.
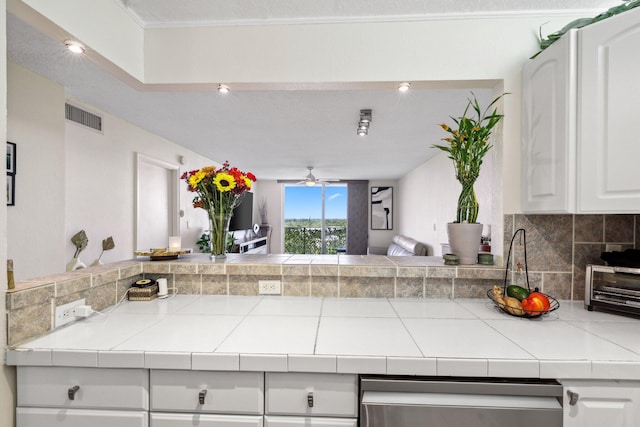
<point x="559" y="247"/>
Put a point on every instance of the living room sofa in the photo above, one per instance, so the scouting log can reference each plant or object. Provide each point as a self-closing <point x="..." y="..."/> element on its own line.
<point x="406" y="246"/>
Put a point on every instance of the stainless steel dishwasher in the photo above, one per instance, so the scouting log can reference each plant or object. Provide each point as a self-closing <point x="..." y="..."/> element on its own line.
<point x="456" y="402"/>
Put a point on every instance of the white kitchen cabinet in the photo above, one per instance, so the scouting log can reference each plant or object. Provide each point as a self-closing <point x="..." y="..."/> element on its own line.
<point x="608" y="96"/>
<point x="310" y="400"/>
<point x="78" y="397"/>
<point x="579" y="153"/>
<point x="329" y="395"/>
<point x="205" y="420"/>
<point x="274" y="421"/>
<point x="549" y="85"/>
<point x="71" y="388"/>
<point x="206" y="398"/>
<point x="601" y="403"/>
<point x="62" y="417"/>
<point x="207" y="392"/>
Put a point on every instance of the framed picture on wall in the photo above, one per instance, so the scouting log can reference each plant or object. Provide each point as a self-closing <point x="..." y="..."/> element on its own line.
<point x="11" y="157"/>
<point x="382" y="208"/>
<point x="11" y="189"/>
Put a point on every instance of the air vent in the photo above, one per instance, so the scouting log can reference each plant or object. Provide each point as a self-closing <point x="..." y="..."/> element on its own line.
<point x="82" y="117"/>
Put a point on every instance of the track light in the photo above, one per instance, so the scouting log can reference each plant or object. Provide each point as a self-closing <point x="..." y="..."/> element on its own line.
<point x="223" y="88"/>
<point x="363" y="124"/>
<point x="74" y="46"/>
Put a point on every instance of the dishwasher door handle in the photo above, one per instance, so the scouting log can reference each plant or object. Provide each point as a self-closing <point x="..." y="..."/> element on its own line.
<point x="375" y="398"/>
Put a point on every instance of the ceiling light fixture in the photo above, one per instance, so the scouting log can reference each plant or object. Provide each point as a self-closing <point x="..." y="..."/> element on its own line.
<point x="363" y="124"/>
<point x="74" y="46"/>
<point x="404" y="86"/>
<point x="223" y="88"/>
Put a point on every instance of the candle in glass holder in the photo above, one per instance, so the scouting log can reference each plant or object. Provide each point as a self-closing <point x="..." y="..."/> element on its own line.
<point x="175" y="243"/>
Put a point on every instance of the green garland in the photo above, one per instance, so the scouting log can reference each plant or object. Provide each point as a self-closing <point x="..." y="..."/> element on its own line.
<point x="583" y="22"/>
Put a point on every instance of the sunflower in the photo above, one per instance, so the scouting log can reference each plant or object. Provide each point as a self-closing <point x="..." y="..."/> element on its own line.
<point x="195" y="179"/>
<point x="224" y="182"/>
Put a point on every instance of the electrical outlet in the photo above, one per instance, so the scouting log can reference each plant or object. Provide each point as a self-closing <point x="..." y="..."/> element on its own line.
<point x="64" y="313"/>
<point x="269" y="287"/>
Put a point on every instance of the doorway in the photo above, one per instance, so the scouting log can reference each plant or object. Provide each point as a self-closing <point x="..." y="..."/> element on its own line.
<point x="157" y="204"/>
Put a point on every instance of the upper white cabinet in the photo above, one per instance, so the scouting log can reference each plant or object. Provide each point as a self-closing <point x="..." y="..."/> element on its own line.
<point x="549" y="85"/>
<point x="579" y="149"/>
<point x="608" y="96"/>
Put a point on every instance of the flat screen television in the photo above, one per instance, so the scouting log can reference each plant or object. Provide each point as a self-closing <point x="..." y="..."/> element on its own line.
<point x="242" y="218"/>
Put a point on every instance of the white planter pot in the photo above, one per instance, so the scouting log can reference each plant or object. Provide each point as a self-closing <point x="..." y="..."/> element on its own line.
<point x="464" y="241"/>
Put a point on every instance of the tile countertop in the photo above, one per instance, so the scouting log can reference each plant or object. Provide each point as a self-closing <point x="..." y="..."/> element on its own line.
<point x="462" y="337"/>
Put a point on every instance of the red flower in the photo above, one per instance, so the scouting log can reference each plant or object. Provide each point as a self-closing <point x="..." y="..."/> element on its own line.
<point x="251" y="176"/>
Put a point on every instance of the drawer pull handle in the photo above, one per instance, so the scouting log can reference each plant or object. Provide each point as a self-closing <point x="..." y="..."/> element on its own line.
<point x="72" y="392"/>
<point x="201" y="396"/>
<point x="310" y="400"/>
<point x="573" y="397"/>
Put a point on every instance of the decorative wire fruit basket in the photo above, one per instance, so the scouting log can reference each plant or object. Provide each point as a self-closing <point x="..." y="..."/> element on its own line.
<point x="496" y="294"/>
<point x="520" y="312"/>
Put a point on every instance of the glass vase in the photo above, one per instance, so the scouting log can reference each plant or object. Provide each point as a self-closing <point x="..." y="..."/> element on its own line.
<point x="219" y="229"/>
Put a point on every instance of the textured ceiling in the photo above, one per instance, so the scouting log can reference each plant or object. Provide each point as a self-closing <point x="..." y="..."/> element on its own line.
<point x="277" y="134"/>
<point x="153" y="13"/>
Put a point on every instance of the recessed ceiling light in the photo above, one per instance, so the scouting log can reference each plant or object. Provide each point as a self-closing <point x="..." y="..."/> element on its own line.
<point x="404" y="86"/>
<point x="74" y="46"/>
<point x="223" y="88"/>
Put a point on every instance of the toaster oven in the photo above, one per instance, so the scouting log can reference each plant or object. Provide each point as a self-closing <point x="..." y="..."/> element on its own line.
<point x="612" y="288"/>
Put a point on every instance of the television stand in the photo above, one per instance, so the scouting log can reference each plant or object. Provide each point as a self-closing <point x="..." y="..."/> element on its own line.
<point x="255" y="246"/>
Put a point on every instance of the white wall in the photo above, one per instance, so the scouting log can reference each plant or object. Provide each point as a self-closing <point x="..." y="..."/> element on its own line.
<point x="7" y="373"/>
<point x="271" y="192"/>
<point x="428" y="197"/>
<point x="72" y="178"/>
<point x="36" y="224"/>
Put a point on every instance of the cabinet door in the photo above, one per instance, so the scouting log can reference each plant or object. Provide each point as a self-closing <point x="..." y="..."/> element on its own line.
<point x="609" y="150"/>
<point x="330" y="395"/>
<point x="271" y="421"/>
<point x="50" y="417"/>
<point x="204" y="420"/>
<point x="601" y="404"/>
<point x="549" y="84"/>
<point x="97" y="388"/>
<point x="203" y="391"/>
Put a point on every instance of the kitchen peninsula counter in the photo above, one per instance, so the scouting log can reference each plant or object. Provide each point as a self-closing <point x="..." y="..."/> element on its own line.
<point x="392" y="336"/>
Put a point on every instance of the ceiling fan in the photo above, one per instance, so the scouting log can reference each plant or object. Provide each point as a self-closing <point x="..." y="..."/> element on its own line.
<point x="310" y="180"/>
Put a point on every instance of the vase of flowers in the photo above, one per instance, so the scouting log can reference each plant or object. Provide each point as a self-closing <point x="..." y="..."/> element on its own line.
<point x="218" y="191"/>
<point x="467" y="145"/>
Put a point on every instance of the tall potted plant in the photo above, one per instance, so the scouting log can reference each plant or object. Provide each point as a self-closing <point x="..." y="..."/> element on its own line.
<point x="467" y="145"/>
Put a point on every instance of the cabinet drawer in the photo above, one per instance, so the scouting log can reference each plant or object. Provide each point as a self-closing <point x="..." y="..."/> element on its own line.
<point x="271" y="421"/>
<point x="204" y="420"/>
<point x="38" y="417"/>
<point x="96" y="388"/>
<point x="224" y="392"/>
<point x="332" y="395"/>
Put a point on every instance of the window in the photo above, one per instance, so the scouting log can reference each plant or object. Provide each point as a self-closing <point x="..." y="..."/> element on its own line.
<point x="315" y="219"/>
